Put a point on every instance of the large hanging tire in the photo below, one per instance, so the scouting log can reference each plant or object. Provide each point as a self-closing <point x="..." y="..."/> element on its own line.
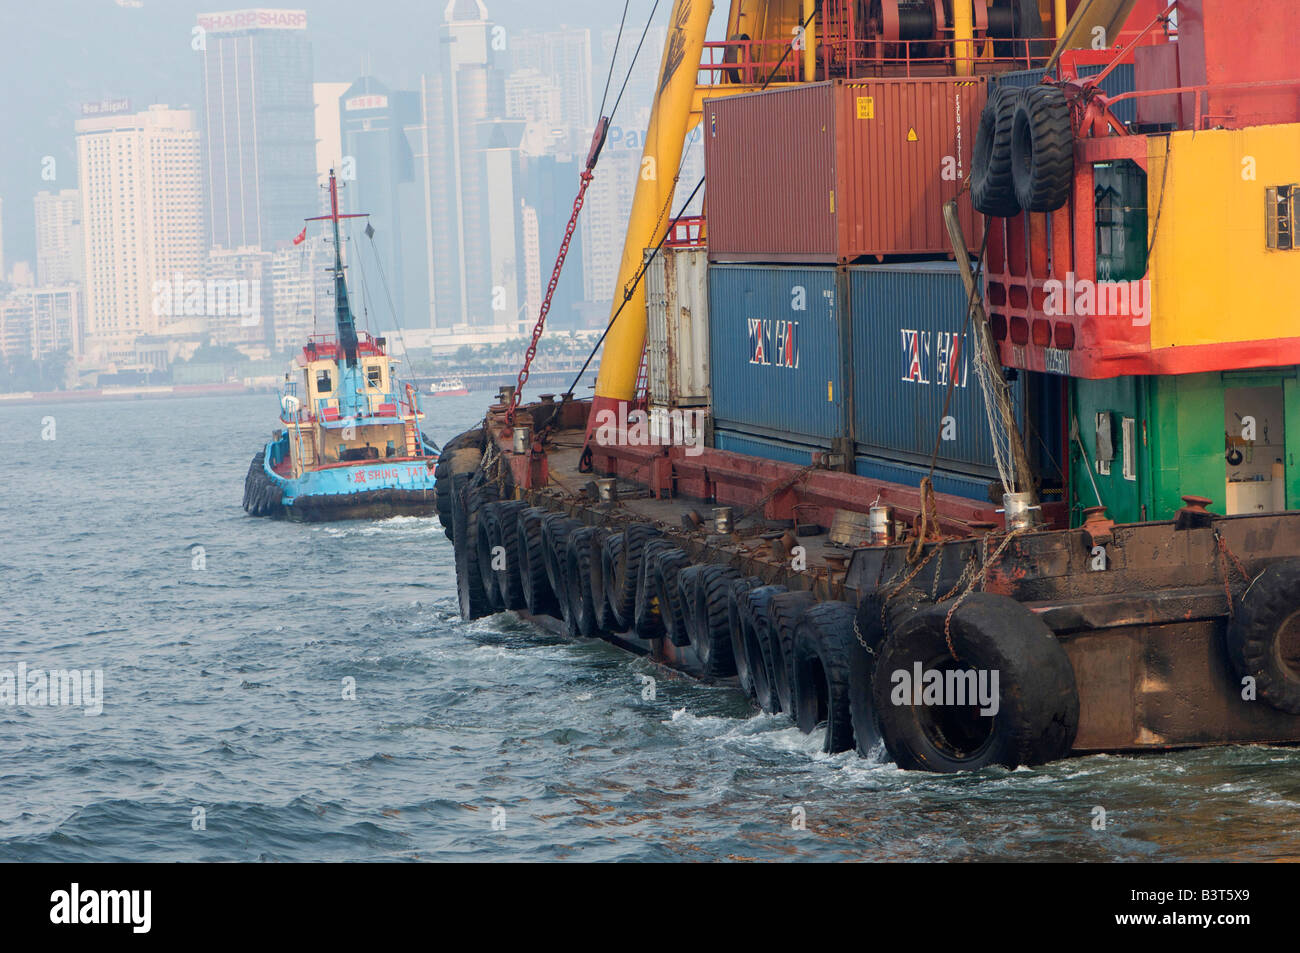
<point x="610" y="554"/>
<point x="473" y="599"/>
<point x="648" y="618"/>
<point x="1042" y="149"/>
<point x="462" y="454"/>
<point x="823" y="644"/>
<point x="262" y="496"/>
<point x="992" y="183"/>
<point x="488" y="538"/>
<point x="539" y="597"/>
<point x="737" y="592"/>
<point x="556" y="528"/>
<point x="504" y="529"/>
<point x="627" y="572"/>
<point x="604" y="614"/>
<point x="761" y="645"/>
<point x="783" y="612"/>
<point x="708" y="621"/>
<point x="1032" y="717"/>
<point x="581" y="620"/>
<point x="868" y="633"/>
<point x="1263" y="637"/>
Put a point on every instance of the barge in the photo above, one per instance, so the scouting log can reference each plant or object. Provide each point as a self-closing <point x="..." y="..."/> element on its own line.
<point x="952" y="508"/>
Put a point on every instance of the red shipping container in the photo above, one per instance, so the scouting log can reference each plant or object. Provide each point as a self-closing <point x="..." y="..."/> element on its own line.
<point x="842" y="171"/>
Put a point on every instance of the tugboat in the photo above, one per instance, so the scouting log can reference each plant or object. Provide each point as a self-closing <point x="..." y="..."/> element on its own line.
<point x="351" y="445"/>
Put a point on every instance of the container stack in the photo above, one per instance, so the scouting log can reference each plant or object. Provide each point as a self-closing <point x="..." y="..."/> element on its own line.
<point x="837" y="317"/>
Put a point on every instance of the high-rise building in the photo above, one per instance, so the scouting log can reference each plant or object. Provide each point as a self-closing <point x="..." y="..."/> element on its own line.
<point x="329" y="133"/>
<point x="549" y="185"/>
<point x="604" y="222"/>
<point x="302" y="287"/>
<point x="142" y="220"/>
<point x="259" y="156"/>
<point x="564" y="57"/>
<point x="238" y="293"/>
<point x="382" y="183"/>
<point x="15" y="326"/>
<point x="56" y="320"/>
<point x="59" y="252"/>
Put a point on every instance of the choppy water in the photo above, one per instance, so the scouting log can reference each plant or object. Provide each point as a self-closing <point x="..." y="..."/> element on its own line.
<point x="224" y="691"/>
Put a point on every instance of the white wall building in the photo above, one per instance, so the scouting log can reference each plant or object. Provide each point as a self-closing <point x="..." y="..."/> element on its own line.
<point x="142" y="220"/>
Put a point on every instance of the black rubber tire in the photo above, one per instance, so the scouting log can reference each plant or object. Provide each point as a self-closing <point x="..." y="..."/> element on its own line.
<point x="783" y="612"/>
<point x="505" y="533"/>
<point x="556" y="528"/>
<point x="474" y="602"/>
<point x="672" y="568"/>
<point x="648" y="617"/>
<point x="1038" y="702"/>
<point x="627" y="573"/>
<point x="1263" y="637"/>
<point x="462" y="454"/>
<point x="823" y="643"/>
<point x="762" y="645"/>
<point x="539" y="598"/>
<point x="709" y="621"/>
<point x="737" y="592"/>
<point x="489" y="537"/>
<point x="262" y="497"/>
<point x="867" y="637"/>
<point x="604" y="615"/>
<point x="581" y="620"/>
<point x="610" y="554"/>
<point x="1042" y="149"/>
<point x="992" y="183"/>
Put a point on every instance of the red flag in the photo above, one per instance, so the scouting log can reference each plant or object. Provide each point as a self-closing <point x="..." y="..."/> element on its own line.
<point x="302" y="236"/>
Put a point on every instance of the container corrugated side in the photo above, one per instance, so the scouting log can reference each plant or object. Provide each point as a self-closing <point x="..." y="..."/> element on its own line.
<point x="953" y="484"/>
<point x="764" y="448"/>
<point x="776" y="352"/>
<point x="769" y="161"/>
<point x="909" y="339"/>
<point x="904" y="148"/>
<point x="677" y="328"/>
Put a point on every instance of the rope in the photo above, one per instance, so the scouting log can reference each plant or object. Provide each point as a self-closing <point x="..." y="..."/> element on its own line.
<point x="613" y="58"/>
<point x="1225" y="553"/>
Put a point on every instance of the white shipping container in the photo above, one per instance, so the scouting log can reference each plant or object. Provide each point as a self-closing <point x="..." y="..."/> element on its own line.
<point x="677" y="328"/>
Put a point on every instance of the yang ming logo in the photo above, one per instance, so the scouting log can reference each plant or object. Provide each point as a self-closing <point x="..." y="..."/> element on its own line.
<point x="774" y="343"/>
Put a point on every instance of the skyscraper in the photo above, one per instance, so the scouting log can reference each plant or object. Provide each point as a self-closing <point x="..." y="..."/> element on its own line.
<point x="383" y="184"/>
<point x="564" y="57"/>
<point x="142" y="220"/>
<point x="58" y="238"/>
<point x="259" y="157"/>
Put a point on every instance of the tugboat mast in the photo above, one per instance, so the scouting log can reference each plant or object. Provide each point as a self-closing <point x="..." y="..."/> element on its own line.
<point x="343" y="318"/>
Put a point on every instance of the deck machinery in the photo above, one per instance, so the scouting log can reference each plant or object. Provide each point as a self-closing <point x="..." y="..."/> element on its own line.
<point x="1136" y="584"/>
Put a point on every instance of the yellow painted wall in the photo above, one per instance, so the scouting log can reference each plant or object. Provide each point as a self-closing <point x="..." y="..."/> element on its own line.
<point x="1213" y="278"/>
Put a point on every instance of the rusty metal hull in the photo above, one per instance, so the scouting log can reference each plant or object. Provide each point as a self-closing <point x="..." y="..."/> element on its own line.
<point x="1145" y="636"/>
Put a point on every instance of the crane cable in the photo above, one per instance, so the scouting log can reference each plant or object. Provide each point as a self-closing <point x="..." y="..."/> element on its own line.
<point x="588" y="173"/>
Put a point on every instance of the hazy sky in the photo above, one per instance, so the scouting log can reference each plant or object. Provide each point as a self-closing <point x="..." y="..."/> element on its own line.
<point x="58" y="54"/>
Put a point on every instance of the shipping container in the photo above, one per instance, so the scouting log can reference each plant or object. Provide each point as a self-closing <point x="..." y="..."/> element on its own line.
<point x="840" y="171"/>
<point x="776" y="345"/>
<point x="677" y="328"/>
<point x="764" y="448"/>
<point x="911" y="340"/>
<point x="953" y="484"/>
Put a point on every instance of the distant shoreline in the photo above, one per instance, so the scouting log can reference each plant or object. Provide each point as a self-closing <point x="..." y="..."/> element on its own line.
<point x="141" y="392"/>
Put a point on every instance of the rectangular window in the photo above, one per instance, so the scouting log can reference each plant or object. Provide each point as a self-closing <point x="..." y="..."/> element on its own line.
<point x="374" y="376"/>
<point x="323" y="382"/>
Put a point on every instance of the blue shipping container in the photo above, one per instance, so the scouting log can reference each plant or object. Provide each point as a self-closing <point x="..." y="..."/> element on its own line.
<point x="910" y="340"/>
<point x="1122" y="79"/>
<point x="762" y="447"/>
<point x="776" y="352"/>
